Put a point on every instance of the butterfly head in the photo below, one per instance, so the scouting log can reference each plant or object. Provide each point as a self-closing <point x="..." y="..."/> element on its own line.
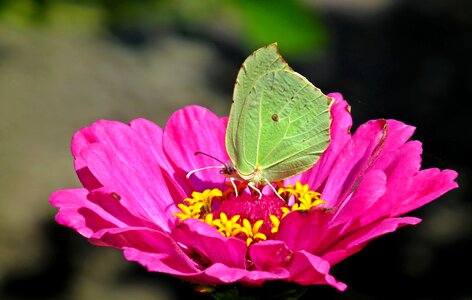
<point x="229" y="170"/>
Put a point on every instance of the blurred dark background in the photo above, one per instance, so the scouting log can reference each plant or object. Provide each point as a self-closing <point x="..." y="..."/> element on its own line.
<point x="65" y="64"/>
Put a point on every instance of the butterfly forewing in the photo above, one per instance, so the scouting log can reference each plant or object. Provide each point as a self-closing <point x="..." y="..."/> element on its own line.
<point x="279" y="123"/>
<point x="262" y="62"/>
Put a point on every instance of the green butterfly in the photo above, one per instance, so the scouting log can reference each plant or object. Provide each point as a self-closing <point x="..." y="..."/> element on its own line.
<point x="279" y="124"/>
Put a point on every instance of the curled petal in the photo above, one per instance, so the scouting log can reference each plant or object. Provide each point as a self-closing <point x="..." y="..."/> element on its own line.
<point x="279" y="256"/>
<point x="77" y="212"/>
<point x="147" y="240"/>
<point x="306" y="230"/>
<point x="111" y="202"/>
<point x="303" y="267"/>
<point x="308" y="269"/>
<point x="209" y="245"/>
<point x="225" y="274"/>
<point x="217" y="273"/>
<point x="397" y="135"/>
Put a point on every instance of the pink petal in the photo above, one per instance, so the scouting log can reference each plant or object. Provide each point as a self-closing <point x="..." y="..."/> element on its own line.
<point x="208" y="243"/>
<point x="88" y="180"/>
<point x="82" y="139"/>
<point x="305" y="230"/>
<point x="427" y="185"/>
<point x="400" y="166"/>
<point x="225" y="274"/>
<point x="141" y="134"/>
<point x="110" y="202"/>
<point x="353" y="243"/>
<point x="77" y="212"/>
<point x="407" y="187"/>
<point x="355" y="159"/>
<point x="308" y="269"/>
<point x="269" y="255"/>
<point x="165" y="262"/>
<point x="371" y="187"/>
<point x="195" y="129"/>
<point x="147" y="240"/>
<point x="151" y="135"/>
<point x="398" y="134"/>
<point x="304" y="268"/>
<point x="132" y="173"/>
<point x="215" y="274"/>
<point x="340" y="135"/>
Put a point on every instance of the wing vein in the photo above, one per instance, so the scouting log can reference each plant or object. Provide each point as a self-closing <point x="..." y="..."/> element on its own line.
<point x="260" y="130"/>
<point x="290" y="156"/>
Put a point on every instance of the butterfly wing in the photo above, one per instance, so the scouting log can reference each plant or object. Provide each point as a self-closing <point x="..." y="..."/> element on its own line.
<point x="279" y="122"/>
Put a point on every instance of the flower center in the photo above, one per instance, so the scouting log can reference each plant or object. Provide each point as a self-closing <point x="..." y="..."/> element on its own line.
<point x="247" y="216"/>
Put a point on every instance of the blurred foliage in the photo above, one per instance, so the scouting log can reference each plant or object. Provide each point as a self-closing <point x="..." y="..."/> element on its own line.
<point x="291" y="24"/>
<point x="253" y="23"/>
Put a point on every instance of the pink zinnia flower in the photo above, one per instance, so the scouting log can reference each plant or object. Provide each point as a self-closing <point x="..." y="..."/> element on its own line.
<point x="137" y="198"/>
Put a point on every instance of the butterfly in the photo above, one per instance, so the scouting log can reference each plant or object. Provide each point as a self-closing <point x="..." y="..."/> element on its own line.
<point x="279" y="123"/>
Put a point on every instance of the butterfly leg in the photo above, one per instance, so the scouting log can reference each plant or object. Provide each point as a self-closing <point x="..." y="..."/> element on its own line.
<point x="273" y="189"/>
<point x="234" y="186"/>
<point x="253" y="187"/>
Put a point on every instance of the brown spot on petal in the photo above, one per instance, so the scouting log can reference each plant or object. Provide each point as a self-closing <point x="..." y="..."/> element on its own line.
<point x="116" y="196"/>
<point x="288" y="258"/>
<point x="199" y="258"/>
<point x="330" y="210"/>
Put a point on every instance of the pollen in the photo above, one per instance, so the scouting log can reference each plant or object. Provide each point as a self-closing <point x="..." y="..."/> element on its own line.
<point x="245" y="216"/>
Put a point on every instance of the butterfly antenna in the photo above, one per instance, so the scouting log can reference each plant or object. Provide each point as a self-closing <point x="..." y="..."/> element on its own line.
<point x="211" y="156"/>
<point x="201" y="169"/>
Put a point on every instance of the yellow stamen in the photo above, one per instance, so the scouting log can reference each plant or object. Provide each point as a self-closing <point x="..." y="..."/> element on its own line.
<point x="199" y="205"/>
<point x="305" y="199"/>
<point x="206" y="198"/>
<point x="252" y="232"/>
<point x="275" y="223"/>
<point x="209" y="219"/>
<point x="189" y="211"/>
<point x="227" y="227"/>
